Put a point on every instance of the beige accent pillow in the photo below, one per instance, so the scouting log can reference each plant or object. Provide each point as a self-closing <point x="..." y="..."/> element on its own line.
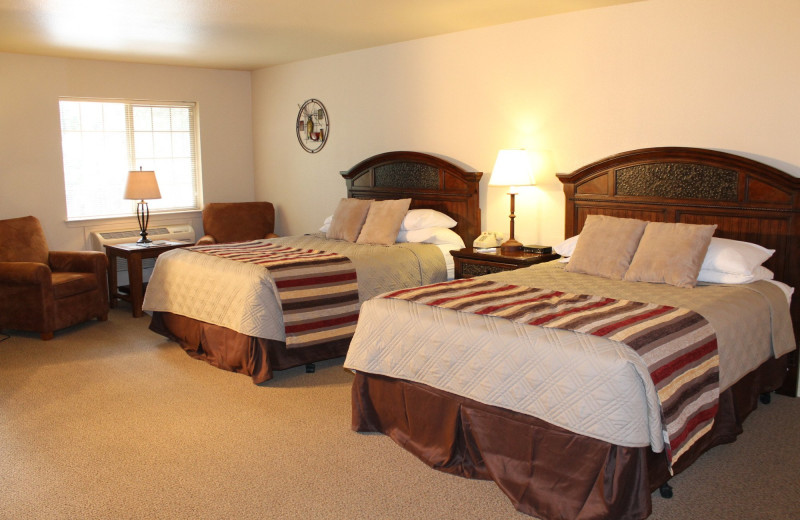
<point x="606" y="246"/>
<point x="670" y="253"/>
<point x="383" y="222"/>
<point x="348" y="219"/>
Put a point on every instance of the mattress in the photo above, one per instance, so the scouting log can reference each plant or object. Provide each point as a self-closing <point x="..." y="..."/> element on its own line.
<point x="588" y="385"/>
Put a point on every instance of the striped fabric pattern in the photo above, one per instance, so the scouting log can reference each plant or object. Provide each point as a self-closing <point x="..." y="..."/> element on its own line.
<point x="678" y="345"/>
<point x="318" y="290"/>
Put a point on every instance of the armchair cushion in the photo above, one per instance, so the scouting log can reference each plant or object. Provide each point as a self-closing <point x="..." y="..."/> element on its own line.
<point x="70" y="284"/>
<point x="237" y="221"/>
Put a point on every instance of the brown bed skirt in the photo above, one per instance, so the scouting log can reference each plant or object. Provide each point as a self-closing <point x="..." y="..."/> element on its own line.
<point x="230" y="350"/>
<point x="546" y="471"/>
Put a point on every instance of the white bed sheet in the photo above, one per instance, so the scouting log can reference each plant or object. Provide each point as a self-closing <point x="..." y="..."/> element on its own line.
<point x="449" y="262"/>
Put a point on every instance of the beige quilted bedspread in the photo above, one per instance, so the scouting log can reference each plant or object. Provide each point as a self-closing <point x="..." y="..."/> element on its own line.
<point x="586" y="384"/>
<point x="243" y="297"/>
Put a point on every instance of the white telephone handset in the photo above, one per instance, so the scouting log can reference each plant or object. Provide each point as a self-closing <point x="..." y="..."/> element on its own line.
<point x="488" y="239"/>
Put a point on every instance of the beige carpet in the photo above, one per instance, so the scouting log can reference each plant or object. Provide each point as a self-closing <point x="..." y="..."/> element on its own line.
<point x="110" y="421"/>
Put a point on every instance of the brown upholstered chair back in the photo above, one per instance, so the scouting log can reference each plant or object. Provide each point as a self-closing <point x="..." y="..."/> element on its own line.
<point x="238" y="221"/>
<point x="23" y="240"/>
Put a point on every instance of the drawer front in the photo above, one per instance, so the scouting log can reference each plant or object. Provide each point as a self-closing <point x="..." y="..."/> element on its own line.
<point x="468" y="270"/>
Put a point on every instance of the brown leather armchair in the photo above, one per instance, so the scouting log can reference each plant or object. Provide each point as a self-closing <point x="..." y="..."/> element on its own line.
<point x="44" y="291"/>
<point x="237" y="222"/>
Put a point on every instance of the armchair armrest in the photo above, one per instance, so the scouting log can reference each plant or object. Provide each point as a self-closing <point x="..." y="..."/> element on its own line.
<point x="206" y="239"/>
<point x="78" y="262"/>
<point x="24" y="273"/>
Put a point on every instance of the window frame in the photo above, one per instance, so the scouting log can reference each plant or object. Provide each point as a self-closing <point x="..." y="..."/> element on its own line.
<point x="126" y="208"/>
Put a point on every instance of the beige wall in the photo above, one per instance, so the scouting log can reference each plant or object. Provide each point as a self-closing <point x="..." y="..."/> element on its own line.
<point x="583" y="85"/>
<point x="710" y="73"/>
<point x="31" y="171"/>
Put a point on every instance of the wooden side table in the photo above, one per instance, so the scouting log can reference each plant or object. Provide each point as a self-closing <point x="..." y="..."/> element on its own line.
<point x="469" y="263"/>
<point x="133" y="255"/>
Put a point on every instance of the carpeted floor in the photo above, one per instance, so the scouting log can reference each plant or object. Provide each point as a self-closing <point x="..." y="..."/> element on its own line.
<point x="110" y="421"/>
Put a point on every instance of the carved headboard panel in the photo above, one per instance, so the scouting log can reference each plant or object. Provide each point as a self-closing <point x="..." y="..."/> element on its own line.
<point x="747" y="200"/>
<point x="429" y="181"/>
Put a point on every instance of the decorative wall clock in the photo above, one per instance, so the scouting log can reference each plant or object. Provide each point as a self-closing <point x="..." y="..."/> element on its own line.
<point x="312" y="125"/>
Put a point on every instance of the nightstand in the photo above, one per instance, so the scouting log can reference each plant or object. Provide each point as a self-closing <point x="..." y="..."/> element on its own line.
<point x="133" y="255"/>
<point x="469" y="263"/>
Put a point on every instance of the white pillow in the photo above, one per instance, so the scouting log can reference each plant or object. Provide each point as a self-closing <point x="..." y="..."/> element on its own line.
<point x="326" y="225"/>
<point x="759" y="273"/>
<point x="426" y="218"/>
<point x="567" y="247"/>
<point x="433" y="235"/>
<point x="734" y="256"/>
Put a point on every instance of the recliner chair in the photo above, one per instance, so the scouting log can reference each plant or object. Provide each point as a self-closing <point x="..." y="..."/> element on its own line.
<point x="237" y="222"/>
<point x="42" y="290"/>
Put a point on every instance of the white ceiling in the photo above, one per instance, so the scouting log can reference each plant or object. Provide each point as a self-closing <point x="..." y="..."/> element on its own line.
<point x="246" y="34"/>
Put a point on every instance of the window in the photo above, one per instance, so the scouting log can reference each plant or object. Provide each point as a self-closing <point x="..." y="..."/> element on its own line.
<point x="102" y="140"/>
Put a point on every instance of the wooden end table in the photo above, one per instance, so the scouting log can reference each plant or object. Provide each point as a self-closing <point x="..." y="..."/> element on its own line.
<point x="133" y="254"/>
<point x="468" y="262"/>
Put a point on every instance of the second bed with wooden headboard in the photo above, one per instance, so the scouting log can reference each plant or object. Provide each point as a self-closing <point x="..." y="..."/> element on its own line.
<point x="578" y="392"/>
<point x="222" y="306"/>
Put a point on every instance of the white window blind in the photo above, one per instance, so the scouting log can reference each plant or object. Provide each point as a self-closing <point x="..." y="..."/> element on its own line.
<point x="103" y="139"/>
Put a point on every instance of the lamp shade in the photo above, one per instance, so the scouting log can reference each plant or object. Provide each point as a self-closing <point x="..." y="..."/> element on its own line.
<point x="512" y="168"/>
<point x="142" y="185"/>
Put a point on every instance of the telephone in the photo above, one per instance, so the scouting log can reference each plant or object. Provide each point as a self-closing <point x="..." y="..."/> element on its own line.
<point x="488" y="239"/>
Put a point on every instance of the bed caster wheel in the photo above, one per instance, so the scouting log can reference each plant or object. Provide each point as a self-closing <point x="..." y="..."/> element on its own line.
<point x="665" y="490"/>
<point x="310" y="368"/>
<point x="765" y="398"/>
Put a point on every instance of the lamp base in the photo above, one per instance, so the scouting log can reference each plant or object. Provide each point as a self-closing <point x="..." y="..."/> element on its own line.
<point x="511" y="246"/>
<point x="143" y="217"/>
<point x="144" y="241"/>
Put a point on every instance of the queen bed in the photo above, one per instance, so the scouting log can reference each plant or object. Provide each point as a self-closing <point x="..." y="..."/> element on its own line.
<point x="571" y="422"/>
<point x="222" y="306"/>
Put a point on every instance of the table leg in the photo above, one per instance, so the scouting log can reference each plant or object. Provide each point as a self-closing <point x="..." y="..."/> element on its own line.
<point x="112" y="279"/>
<point x="135" y="277"/>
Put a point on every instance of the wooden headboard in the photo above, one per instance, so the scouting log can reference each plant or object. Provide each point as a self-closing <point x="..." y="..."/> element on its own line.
<point x="747" y="200"/>
<point x="429" y="181"/>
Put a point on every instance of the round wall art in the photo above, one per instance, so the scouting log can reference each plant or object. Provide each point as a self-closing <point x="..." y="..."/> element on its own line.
<point x="312" y="125"/>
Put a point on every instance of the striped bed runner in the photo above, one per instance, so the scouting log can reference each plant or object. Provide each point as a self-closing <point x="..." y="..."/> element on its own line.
<point x="318" y="290"/>
<point x="678" y="345"/>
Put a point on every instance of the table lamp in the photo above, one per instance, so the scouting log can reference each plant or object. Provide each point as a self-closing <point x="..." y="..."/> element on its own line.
<point x="512" y="168"/>
<point x="142" y="185"/>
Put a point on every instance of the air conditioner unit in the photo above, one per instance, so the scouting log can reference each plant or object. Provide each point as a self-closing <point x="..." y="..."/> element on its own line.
<point x="180" y="232"/>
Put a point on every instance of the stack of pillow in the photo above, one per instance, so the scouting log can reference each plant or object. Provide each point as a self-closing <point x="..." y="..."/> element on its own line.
<point x="671" y="253"/>
<point x="384" y="222"/>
